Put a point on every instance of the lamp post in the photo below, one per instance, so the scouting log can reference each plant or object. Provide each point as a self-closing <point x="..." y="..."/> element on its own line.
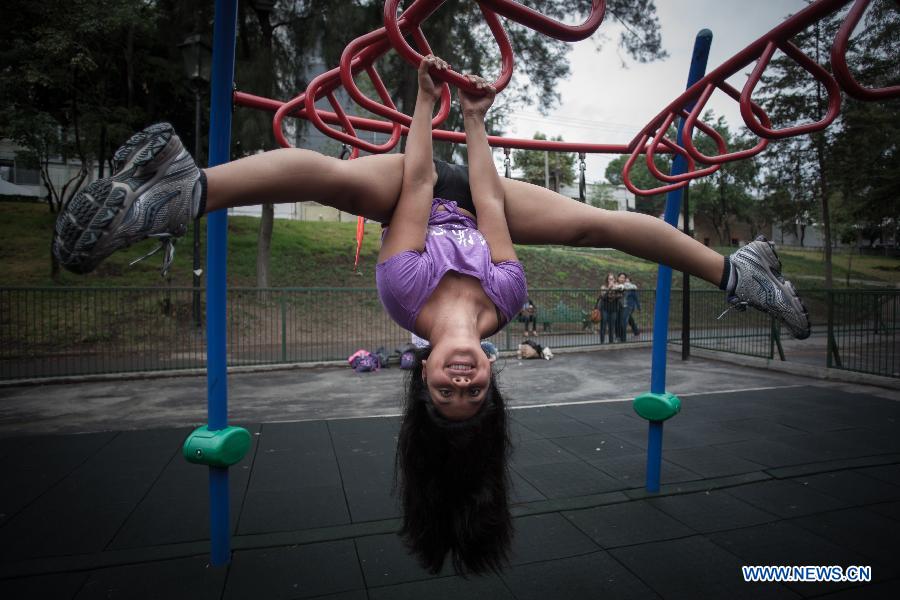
<point x="197" y="55"/>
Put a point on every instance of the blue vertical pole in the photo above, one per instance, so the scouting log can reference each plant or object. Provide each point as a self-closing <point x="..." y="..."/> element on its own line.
<point x="664" y="278"/>
<point x="217" y="240"/>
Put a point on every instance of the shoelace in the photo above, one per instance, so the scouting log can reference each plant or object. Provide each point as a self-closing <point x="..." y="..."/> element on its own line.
<point x="740" y="306"/>
<point x="166" y="242"/>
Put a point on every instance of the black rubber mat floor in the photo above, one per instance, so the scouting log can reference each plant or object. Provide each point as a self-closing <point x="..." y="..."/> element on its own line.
<point x="787" y="476"/>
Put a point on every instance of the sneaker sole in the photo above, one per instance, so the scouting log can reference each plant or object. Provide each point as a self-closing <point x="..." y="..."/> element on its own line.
<point x="90" y="213"/>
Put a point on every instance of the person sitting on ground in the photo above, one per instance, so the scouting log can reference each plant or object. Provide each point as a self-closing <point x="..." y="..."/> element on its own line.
<point x="447" y="271"/>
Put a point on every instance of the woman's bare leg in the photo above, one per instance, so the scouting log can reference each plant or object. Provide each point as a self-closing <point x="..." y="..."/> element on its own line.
<point x="368" y="186"/>
<point x="537" y="215"/>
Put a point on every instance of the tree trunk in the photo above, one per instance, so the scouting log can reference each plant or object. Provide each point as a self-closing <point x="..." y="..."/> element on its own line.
<point x="819" y="141"/>
<point x="409" y="87"/>
<point x="54" y="202"/>
<point x="101" y="152"/>
<point x="264" y="241"/>
<point x="264" y="245"/>
<point x="71" y="187"/>
<point x="826" y="230"/>
<point x="129" y="67"/>
<point x="826" y="213"/>
<point x="54" y="264"/>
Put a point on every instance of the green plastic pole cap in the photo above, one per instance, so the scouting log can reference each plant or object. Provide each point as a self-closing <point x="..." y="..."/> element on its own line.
<point x="219" y="448"/>
<point x="657" y="407"/>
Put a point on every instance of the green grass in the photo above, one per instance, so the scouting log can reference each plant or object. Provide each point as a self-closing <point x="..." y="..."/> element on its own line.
<point x="311" y="254"/>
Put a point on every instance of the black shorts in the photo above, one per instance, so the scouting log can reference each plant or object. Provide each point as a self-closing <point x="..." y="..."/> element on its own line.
<point x="453" y="184"/>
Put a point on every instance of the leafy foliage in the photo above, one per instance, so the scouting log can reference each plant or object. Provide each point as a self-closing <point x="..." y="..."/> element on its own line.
<point x="643" y="179"/>
<point x="538" y="166"/>
<point x="77" y="78"/>
<point x="850" y="163"/>
<point x="727" y="193"/>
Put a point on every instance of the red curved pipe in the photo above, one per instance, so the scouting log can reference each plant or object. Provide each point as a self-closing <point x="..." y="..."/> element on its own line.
<point x="542" y="24"/>
<point x="458" y="137"/>
<point x="366" y="49"/>
<point x="348" y="136"/>
<point x="363" y="52"/>
<point x="812" y="67"/>
<point x="394" y="29"/>
<point x="724" y="156"/>
<point x="790" y="27"/>
<point x="626" y="174"/>
<point x="660" y="138"/>
<point x="839" y="60"/>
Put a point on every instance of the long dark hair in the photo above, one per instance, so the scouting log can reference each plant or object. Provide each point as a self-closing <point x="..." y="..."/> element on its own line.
<point x="453" y="481"/>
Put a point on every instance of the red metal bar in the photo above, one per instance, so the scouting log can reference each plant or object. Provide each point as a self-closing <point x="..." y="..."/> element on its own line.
<point x="723" y="156"/>
<point x="753" y="115"/>
<point x="366" y="124"/>
<point x="534" y="20"/>
<point x="839" y="60"/>
<point x="387" y="110"/>
<point x="395" y="35"/>
<point x="691" y="172"/>
<point x="790" y="27"/>
<point x="626" y="173"/>
<point x="361" y="54"/>
<point x="811" y="66"/>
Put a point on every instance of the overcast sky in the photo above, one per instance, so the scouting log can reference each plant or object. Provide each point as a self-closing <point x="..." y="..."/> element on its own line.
<point x="604" y="102"/>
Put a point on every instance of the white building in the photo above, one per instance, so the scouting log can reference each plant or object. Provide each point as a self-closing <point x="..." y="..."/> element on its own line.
<point x="19" y="179"/>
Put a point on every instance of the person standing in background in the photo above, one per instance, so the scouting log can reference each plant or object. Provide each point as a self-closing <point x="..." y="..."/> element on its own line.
<point x="630" y="302"/>
<point x="609" y="302"/>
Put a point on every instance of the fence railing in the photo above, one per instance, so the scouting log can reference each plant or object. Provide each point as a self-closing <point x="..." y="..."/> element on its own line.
<point x="748" y="332"/>
<point x="47" y="332"/>
<point x="862" y="331"/>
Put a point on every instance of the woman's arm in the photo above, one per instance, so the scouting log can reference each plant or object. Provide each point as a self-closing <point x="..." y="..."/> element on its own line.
<point x="409" y="222"/>
<point x="484" y="182"/>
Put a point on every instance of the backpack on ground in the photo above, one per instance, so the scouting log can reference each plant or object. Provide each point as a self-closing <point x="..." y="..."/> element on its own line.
<point x="363" y="361"/>
<point x="408" y="360"/>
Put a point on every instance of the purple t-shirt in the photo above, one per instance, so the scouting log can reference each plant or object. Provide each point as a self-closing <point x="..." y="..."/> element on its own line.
<point x="453" y="243"/>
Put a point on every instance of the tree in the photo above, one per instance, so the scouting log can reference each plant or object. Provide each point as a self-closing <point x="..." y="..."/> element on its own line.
<point x="852" y="162"/>
<point x="77" y="75"/>
<point x="540" y="167"/>
<point x="257" y="51"/>
<point x="797" y="169"/>
<point x="457" y="33"/>
<point x="643" y="179"/>
<point x="789" y="195"/>
<point x="602" y="197"/>
<point x="78" y="78"/>
<point x="863" y="152"/>
<point x="726" y="194"/>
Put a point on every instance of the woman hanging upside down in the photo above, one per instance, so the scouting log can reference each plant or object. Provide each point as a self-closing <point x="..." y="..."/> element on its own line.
<point x="447" y="271"/>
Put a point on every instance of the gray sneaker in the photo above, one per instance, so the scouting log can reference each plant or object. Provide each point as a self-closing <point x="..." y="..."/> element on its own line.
<point x="152" y="193"/>
<point x="758" y="283"/>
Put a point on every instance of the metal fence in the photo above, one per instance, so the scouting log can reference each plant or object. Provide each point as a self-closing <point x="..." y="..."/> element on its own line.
<point x="748" y="332"/>
<point x="862" y="331"/>
<point x="47" y="332"/>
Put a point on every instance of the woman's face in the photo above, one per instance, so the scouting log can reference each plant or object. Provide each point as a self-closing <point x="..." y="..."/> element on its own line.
<point x="621" y="278"/>
<point x="610" y="279"/>
<point x="457" y="377"/>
